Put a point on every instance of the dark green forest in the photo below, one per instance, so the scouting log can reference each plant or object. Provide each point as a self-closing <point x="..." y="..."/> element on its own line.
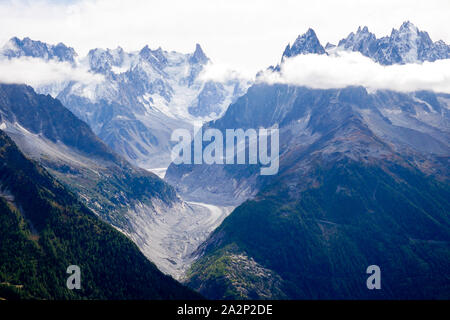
<point x="44" y="229"/>
<point x="357" y="215"/>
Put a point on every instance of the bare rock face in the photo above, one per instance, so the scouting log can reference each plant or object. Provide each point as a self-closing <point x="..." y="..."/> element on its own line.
<point x="406" y="45"/>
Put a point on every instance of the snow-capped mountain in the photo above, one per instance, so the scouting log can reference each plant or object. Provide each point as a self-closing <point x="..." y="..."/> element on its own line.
<point x="26" y="47"/>
<point x="144" y="96"/>
<point x="422" y="116"/>
<point x="406" y="45"/>
<point x="304" y="44"/>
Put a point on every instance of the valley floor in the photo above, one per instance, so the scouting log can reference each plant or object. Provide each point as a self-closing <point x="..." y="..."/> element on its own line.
<point x="171" y="237"/>
<point x="175" y="237"/>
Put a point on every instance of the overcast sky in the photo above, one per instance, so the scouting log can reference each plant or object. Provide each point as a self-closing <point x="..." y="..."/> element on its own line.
<point x="247" y="35"/>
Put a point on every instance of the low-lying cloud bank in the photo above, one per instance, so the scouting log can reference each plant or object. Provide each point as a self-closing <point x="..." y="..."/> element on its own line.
<point x="223" y="73"/>
<point x="37" y="72"/>
<point x="337" y="70"/>
<point x="344" y="69"/>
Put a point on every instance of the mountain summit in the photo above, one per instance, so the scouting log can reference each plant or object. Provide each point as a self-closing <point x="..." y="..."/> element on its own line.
<point x="16" y="48"/>
<point x="199" y="56"/>
<point x="304" y="44"/>
<point x="406" y="45"/>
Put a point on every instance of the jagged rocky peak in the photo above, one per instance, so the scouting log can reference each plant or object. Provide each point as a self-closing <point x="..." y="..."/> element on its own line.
<point x="304" y="44"/>
<point x="199" y="56"/>
<point x="26" y="47"/>
<point x="329" y="46"/>
<point x="362" y="33"/>
<point x="407" y="28"/>
<point x="404" y="45"/>
<point x="409" y="33"/>
<point x="412" y="44"/>
<point x="363" y="41"/>
<point x="156" y="57"/>
<point x="103" y="60"/>
<point x="365" y="29"/>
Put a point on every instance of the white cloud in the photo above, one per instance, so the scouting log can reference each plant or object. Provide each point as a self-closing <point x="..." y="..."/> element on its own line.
<point x="353" y="69"/>
<point x="223" y="73"/>
<point x="38" y="72"/>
